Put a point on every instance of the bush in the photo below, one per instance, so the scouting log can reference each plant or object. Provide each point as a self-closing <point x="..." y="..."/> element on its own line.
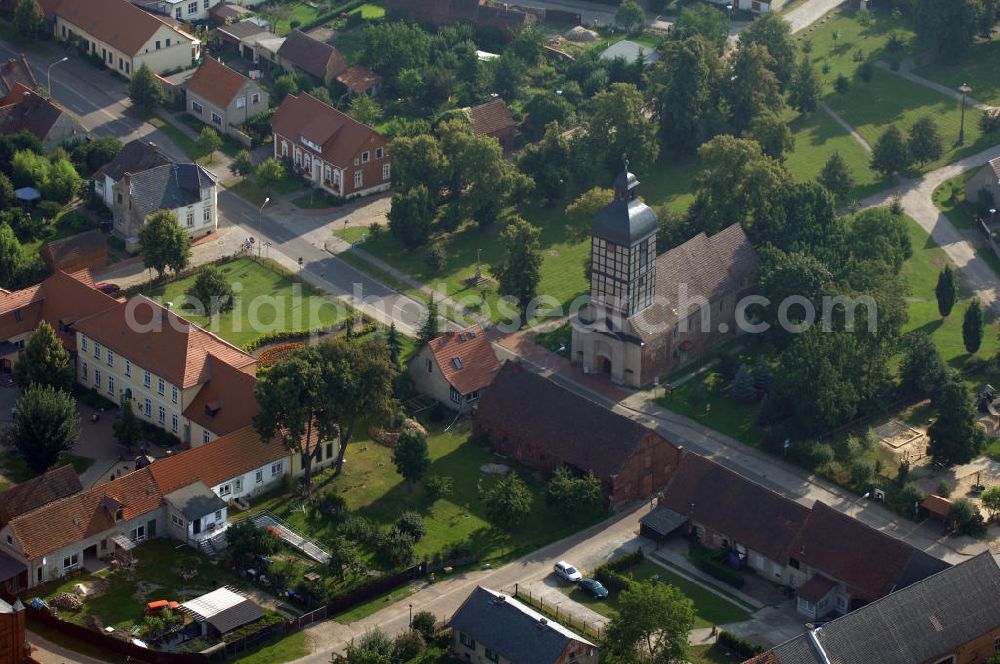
<point x="944" y="489"/>
<point x="812" y="454"/>
<point x="438" y="486"/>
<point x="989" y="121"/>
<point x="425" y="623"/>
<point x="965" y="518"/>
<point x="49" y="209"/>
<point x="436" y="259"/>
<point x="842" y="85"/>
<point x="627" y="561"/>
<point x="739" y="646"/>
<point x="866" y="72"/>
<point x="720" y="571"/>
<point x="612" y="580"/>
<point x="862" y="472"/>
<point x="358" y="528"/>
<point x="411" y="523"/>
<point x="408" y="645"/>
<point x="394" y="548"/>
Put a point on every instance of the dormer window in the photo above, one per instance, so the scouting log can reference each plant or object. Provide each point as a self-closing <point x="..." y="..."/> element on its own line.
<point x="119" y="514"/>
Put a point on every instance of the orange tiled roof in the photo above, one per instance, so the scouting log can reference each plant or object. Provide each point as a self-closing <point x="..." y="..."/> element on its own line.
<point x="339" y="135"/>
<point x="359" y="79"/>
<point x="68" y="520"/>
<point x="226" y="402"/>
<point x="491" y="117"/>
<point x="466" y="359"/>
<point x="222" y="459"/>
<point x="116" y="22"/>
<point x="156" y="339"/>
<point x="216" y="82"/>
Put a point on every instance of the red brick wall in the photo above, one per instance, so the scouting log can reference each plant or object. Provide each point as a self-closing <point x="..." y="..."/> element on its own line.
<point x="372" y="170"/>
<point x="647" y="470"/>
<point x="977" y="651"/>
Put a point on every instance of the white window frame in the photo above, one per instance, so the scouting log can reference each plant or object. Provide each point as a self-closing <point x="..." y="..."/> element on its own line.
<point x="241" y="102"/>
<point x="205" y="436"/>
<point x="111" y="385"/>
<point x="379" y="153"/>
<point x="162" y="415"/>
<point x="177" y="521"/>
<point x="359" y="179"/>
<point x="160" y="386"/>
<point x="259" y="477"/>
<point x="225" y="490"/>
<point x="71" y="562"/>
<point x="193" y="7"/>
<point x="277" y="468"/>
<point x="197" y="108"/>
<point x="216" y="118"/>
<point x="386" y="171"/>
<point x="366" y="157"/>
<point x="128" y="368"/>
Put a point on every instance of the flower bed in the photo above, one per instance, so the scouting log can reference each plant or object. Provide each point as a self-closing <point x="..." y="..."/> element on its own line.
<point x="271" y="356"/>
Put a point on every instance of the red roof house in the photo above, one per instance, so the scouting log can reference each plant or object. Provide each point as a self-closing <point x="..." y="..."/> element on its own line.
<point x="333" y="150"/>
<point x="455" y="367"/>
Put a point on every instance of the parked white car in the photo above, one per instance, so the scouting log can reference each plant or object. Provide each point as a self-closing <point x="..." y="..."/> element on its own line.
<point x="567" y="571"/>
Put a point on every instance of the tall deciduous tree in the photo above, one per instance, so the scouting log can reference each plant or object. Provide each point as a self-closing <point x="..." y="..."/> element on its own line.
<point x="519" y="272"/>
<point x="753" y="87"/>
<point x="269" y="173"/>
<point x="946" y="291"/>
<point x="45" y="361"/>
<point x="955" y="436"/>
<point x="365" y="109"/>
<point x="211" y="291"/>
<point x="29" y="19"/>
<point x="925" y="141"/>
<point x="836" y="176"/>
<point x="951" y="26"/>
<point x="419" y="160"/>
<point x="549" y="163"/>
<point x="922" y="372"/>
<point x="164" y="243"/>
<point x="410" y="456"/>
<point x="805" y="89"/>
<point x="890" y="154"/>
<point x="391" y="47"/>
<point x="289" y="395"/>
<point x="241" y="164"/>
<point x="972" y="326"/>
<point x="209" y="141"/>
<point x="357" y="385"/>
<point x="705" y="21"/>
<point x="46" y="424"/>
<point x="410" y="215"/>
<point x="508" y="501"/>
<point x="775" y="34"/>
<point x="128" y="427"/>
<point x="652" y="624"/>
<point x="773" y="134"/>
<point x="619" y="126"/>
<point x="630" y="17"/>
<point x="686" y="90"/>
<point x="145" y="90"/>
<point x="11" y="256"/>
<point x="738" y="183"/>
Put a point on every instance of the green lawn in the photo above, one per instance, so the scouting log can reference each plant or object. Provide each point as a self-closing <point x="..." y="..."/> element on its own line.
<point x="315" y="199"/>
<point x="17" y="471"/>
<point x="156" y="576"/>
<point x="713" y="654"/>
<point x="889" y="99"/>
<point x="250" y="191"/>
<point x="921" y="273"/>
<point x="290" y="648"/>
<point x="65" y="224"/>
<point x="837" y="38"/>
<point x="268" y="301"/>
<point x="817" y="136"/>
<point x="949" y="194"/>
<point x="352" y="234"/>
<point x="556" y="339"/>
<point x="372" y="488"/>
<point x="563" y="253"/>
<point x="706" y="400"/>
<point x="349" y="43"/>
<point x="369" y="11"/>
<point x="194" y="151"/>
<point x="977" y="67"/>
<point x="287" y="12"/>
<point x="710" y="609"/>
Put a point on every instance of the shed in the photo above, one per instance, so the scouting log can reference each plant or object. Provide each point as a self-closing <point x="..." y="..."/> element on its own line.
<point x="84" y="250"/>
<point x="630" y="52"/>
<point x="660" y="522"/>
<point x="937" y="506"/>
<point x="223" y="610"/>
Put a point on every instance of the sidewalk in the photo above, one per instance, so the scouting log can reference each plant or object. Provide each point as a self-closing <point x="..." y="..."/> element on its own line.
<point x="905" y="70"/>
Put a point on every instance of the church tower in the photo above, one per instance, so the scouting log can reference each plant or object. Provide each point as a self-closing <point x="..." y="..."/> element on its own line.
<point x="623" y="253"/>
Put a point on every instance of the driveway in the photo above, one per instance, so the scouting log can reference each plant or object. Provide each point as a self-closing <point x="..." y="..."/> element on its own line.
<point x="916" y="197"/>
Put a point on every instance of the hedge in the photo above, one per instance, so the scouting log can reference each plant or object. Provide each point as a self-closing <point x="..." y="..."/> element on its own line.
<point x="739" y="646"/>
<point x="612" y="580"/>
<point x="628" y="560"/>
<point x="720" y="571"/>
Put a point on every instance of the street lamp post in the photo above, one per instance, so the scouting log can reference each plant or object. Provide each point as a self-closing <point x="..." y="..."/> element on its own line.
<point x="260" y="223"/>
<point x="411" y="616"/>
<point x="965" y="90"/>
<point x="729" y="9"/>
<point x="48" y="73"/>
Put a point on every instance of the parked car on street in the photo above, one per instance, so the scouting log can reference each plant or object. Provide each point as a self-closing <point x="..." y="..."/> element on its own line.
<point x="594" y="588"/>
<point x="567" y="571"/>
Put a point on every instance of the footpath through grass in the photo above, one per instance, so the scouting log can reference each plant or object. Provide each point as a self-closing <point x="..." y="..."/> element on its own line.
<point x="976" y="67"/>
<point x="268" y="300"/>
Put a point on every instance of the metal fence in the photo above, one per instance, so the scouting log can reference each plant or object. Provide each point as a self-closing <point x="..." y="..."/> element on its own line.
<point x="589" y="630"/>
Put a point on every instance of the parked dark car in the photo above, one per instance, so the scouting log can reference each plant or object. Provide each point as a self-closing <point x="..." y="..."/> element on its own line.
<point x="108" y="288"/>
<point x="594" y="587"/>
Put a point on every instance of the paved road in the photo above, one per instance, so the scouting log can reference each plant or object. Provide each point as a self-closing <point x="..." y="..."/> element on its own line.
<point x="916" y="197"/>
